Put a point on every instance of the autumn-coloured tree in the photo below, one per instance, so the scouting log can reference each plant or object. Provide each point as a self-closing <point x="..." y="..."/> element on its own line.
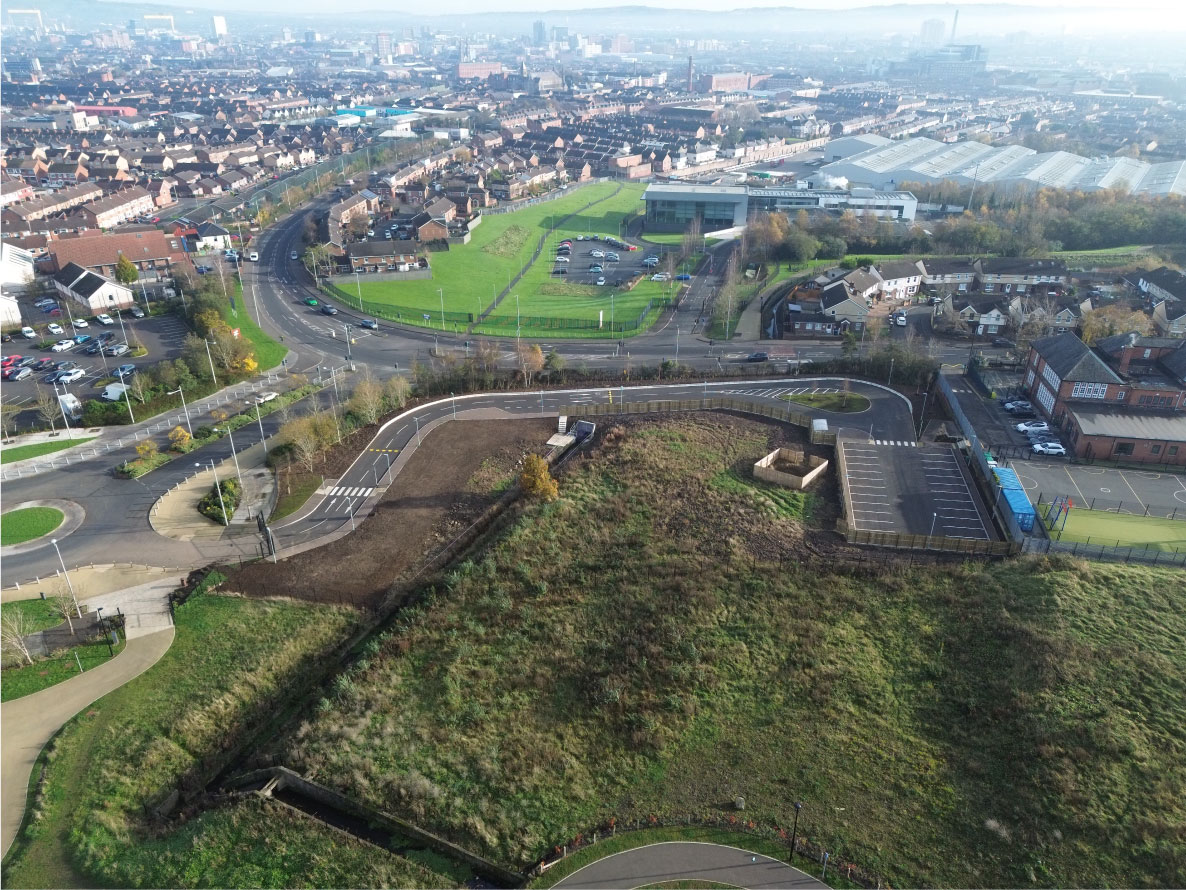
<point x="147" y="450"/>
<point x="179" y="438"/>
<point x="1114" y="319"/>
<point x="536" y="481"/>
<point x="531" y="360"/>
<point x="126" y="271"/>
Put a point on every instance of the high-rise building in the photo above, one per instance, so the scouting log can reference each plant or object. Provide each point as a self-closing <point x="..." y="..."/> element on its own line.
<point x="219" y="24"/>
<point x="383" y="45"/>
<point x="539" y="33"/>
<point x="560" y="34"/>
<point x="933" y="31"/>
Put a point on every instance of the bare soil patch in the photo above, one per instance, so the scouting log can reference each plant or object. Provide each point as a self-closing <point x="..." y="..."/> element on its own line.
<point x="446" y="485"/>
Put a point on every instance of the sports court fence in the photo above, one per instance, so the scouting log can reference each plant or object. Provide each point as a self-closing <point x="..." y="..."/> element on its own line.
<point x="1145" y="555"/>
<point x="1131" y="508"/>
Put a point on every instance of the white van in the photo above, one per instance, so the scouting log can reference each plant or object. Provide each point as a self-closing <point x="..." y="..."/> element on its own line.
<point x="253" y="256"/>
<point x="113" y="392"/>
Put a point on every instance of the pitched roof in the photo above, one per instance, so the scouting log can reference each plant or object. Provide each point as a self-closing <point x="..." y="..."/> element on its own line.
<point x="900" y="269"/>
<point x="105" y="250"/>
<point x="1071" y="359"/>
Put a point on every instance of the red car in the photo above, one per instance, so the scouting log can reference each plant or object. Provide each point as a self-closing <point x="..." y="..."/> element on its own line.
<point x="631" y="247"/>
<point x="9" y="360"/>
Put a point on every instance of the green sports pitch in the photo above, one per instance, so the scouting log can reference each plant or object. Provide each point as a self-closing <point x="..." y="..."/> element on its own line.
<point x="1123" y="530"/>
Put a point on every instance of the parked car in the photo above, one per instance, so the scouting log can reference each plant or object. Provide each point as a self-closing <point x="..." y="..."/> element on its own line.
<point x="52" y="377"/>
<point x="27" y="362"/>
<point x="124" y="371"/>
<point x="612" y="257"/>
<point x="660" y="276"/>
<point x="28" y="333"/>
<point x="1003" y="341"/>
<point x="1018" y="406"/>
<point x="596" y="268"/>
<point x="104" y="318"/>
<point x="1035" y="425"/>
<point x="597" y="254"/>
<point x="757" y="357"/>
<point x="562" y="259"/>
<point x="63" y="346"/>
<point x="81" y="338"/>
<point x="683" y="276"/>
<point x="137" y="312"/>
<point x="1023" y="413"/>
<point x="67" y="366"/>
<point x="80" y="323"/>
<point x="19" y="373"/>
<point x="369" y="323"/>
<point x="601" y="282"/>
<point x="9" y="360"/>
<point x="44" y="364"/>
<point x="71" y="375"/>
<point x="264" y="397"/>
<point x="43" y="302"/>
<point x="117" y="349"/>
<point x="1052" y="448"/>
<point x="56" y="329"/>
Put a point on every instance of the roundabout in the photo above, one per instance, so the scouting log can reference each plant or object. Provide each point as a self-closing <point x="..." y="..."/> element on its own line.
<point x="28" y="525"/>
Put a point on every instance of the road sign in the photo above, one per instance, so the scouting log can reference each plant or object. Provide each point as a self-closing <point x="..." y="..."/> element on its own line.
<point x="235" y="333"/>
<point x="426" y="317"/>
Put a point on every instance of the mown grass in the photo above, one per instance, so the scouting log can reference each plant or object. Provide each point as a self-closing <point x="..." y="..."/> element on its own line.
<point x="300" y="488"/>
<point x="842" y="403"/>
<point x="635" y="648"/>
<point x="231" y="658"/>
<point x="37" y="449"/>
<point x="39" y="614"/>
<point x="46" y="672"/>
<point x="27" y="523"/>
<point x="268" y="352"/>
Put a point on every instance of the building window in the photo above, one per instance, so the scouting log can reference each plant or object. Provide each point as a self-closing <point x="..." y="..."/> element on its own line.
<point x="1157" y="449"/>
<point x="1046" y="398"/>
<point x="1050" y="377"/>
<point x="1172" y="450"/>
<point x="1120" y="395"/>
<point x="1123" y="448"/>
<point x="1089" y="391"/>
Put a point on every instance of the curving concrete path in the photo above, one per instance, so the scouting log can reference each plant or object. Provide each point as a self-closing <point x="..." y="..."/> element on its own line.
<point x="30" y="722"/>
<point x="688" y="861"/>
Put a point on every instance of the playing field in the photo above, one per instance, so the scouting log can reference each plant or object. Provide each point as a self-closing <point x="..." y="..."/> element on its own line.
<point x="470" y="277"/>
<point x="1123" y="530"/>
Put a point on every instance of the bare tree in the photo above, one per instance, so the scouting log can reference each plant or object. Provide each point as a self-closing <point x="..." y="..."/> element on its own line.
<point x="397" y="390"/>
<point x="14" y="627"/>
<point x="531" y="361"/>
<point x="8" y="413"/>
<point x="64" y="602"/>
<point x="367" y="399"/>
<point x="48" y="407"/>
<point x="306" y="443"/>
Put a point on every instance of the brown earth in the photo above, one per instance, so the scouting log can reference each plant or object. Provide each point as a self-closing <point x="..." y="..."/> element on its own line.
<point x="448" y="483"/>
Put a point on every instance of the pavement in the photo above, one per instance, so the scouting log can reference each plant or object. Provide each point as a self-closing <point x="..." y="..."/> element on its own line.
<point x="175" y="515"/>
<point x="94" y="580"/>
<point x="30" y="722"/>
<point x="688" y="861"/>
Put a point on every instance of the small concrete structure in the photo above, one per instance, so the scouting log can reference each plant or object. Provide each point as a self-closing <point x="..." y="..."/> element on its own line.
<point x="790" y="468"/>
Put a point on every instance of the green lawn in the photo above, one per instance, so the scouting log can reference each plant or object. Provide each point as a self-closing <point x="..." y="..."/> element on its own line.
<point x="1123" y="530"/>
<point x="231" y="660"/>
<point x="674" y="238"/>
<point x="18" y="526"/>
<point x="39" y="614"/>
<point x="46" y="672"/>
<point x="37" y="449"/>
<point x="470" y="277"/>
<point x="637" y="648"/>
<point x="830" y="401"/>
<point x="268" y="352"/>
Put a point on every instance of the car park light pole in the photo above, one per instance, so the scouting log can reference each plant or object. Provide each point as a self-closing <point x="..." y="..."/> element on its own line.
<point x="795" y="830"/>
<point x="262" y="439"/>
<point x="358" y="284"/>
<point x="65" y="414"/>
<point x="441" y="291"/>
<point x="218" y="488"/>
<point x="180" y="392"/>
<point x="231" y="437"/>
<point x="69" y="583"/>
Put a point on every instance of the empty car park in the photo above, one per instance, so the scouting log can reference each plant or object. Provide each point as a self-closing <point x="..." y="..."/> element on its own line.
<point x="904" y="489"/>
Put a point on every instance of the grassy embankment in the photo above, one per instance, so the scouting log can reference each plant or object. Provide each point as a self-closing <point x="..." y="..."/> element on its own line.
<point x="230" y="659"/>
<point x="633" y="650"/>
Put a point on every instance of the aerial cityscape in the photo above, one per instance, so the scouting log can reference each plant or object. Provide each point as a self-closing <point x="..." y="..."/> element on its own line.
<point x="612" y="446"/>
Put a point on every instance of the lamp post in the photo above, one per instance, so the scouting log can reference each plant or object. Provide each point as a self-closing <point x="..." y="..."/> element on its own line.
<point x="231" y="437"/>
<point x="69" y="583"/>
<point x="795" y="830"/>
<point x="222" y="504"/>
<point x="65" y="413"/>
<point x="358" y="284"/>
<point x="417" y="419"/>
<point x="441" y="291"/>
<point x="454" y="398"/>
<point x="934" y="519"/>
<point x="262" y="438"/>
<point x="210" y="358"/>
<point x="184" y="408"/>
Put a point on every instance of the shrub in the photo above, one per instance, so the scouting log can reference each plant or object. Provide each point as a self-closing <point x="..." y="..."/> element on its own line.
<point x="211" y="505"/>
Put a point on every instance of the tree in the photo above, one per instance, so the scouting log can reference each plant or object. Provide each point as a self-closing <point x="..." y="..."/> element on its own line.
<point x="848" y="344"/>
<point x="179" y="439"/>
<point x="48" y="407"/>
<point x="536" y="481"/>
<point x="8" y="413"/>
<point x="64" y="602"/>
<point x="126" y="271"/>
<point x="1114" y="319"/>
<point x="367" y="399"/>
<point x="147" y="450"/>
<point x="14" y="627"/>
<point x="397" y="389"/>
<point x="531" y="360"/>
<point x="554" y="362"/>
<point x="302" y="435"/>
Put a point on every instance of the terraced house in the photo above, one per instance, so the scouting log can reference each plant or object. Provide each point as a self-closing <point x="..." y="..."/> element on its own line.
<point x="1123" y="400"/>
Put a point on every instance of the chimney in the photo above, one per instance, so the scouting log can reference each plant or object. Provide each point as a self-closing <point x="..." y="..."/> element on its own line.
<point x="1127" y="352"/>
<point x="954" y="25"/>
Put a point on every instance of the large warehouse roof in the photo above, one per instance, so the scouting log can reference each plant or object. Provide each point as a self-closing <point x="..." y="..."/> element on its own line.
<point x="925" y="160"/>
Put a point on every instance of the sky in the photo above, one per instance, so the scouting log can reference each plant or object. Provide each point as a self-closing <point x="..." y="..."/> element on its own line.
<point x="1175" y="8"/>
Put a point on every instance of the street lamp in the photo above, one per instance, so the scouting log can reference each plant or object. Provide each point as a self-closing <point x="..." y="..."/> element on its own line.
<point x="262" y="438"/>
<point x="441" y="291"/>
<point x="934" y="519"/>
<point x="358" y="284"/>
<point x="65" y="413"/>
<point x="69" y="583"/>
<point x="178" y="391"/>
<point x="231" y="437"/>
<point x="218" y="488"/>
<point x="795" y="830"/>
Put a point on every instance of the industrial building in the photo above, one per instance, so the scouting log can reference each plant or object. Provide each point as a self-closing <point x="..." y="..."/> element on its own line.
<point x="670" y="207"/>
<point x="877" y="162"/>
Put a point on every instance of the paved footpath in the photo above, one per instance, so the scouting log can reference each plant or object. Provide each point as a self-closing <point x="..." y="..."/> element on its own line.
<point x="688" y="861"/>
<point x="30" y="722"/>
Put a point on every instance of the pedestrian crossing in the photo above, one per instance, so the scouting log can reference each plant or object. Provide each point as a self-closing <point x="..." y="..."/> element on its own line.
<point x="895" y="442"/>
<point x="779" y="391"/>
<point x="346" y="491"/>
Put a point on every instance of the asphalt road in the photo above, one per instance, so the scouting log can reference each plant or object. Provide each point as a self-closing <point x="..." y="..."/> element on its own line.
<point x="688" y="861"/>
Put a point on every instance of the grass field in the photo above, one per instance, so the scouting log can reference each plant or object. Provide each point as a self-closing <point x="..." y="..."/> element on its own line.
<point x="30" y="678"/>
<point x="1124" y="530"/>
<point x="470" y="277"/>
<point x="230" y="659"/>
<point x="39" y="614"/>
<point x="18" y="526"/>
<point x="830" y="401"/>
<point x="292" y="499"/>
<point x="635" y="648"/>
<point x="267" y="351"/>
<point x="37" y="449"/>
